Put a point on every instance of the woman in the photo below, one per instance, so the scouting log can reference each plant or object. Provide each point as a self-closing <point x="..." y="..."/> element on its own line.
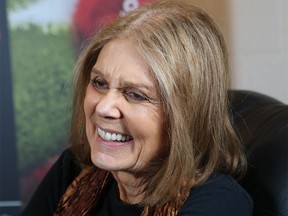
<point x="150" y="123"/>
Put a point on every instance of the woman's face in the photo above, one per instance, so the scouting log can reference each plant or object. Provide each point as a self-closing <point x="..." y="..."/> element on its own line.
<point x="124" y="117"/>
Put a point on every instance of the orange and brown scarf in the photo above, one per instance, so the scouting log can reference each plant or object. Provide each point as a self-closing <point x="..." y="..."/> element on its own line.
<point x="82" y="194"/>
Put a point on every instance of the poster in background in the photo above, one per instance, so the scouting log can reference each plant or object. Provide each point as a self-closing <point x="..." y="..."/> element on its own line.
<point x="45" y="40"/>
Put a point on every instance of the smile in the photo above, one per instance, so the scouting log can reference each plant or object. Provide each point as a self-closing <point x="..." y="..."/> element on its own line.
<point x="113" y="136"/>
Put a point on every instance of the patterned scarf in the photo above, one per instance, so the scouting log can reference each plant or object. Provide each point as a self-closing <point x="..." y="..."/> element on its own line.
<point x="82" y="194"/>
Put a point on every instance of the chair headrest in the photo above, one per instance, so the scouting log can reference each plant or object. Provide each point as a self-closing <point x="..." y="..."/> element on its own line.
<point x="262" y="124"/>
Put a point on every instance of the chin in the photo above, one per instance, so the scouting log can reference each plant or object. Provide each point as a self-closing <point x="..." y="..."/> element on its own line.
<point x="106" y="162"/>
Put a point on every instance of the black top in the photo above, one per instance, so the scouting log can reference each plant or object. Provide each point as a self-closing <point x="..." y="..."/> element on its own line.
<point x="220" y="195"/>
<point x="112" y="205"/>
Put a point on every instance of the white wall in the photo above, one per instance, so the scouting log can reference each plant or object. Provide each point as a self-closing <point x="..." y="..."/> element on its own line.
<point x="259" y="44"/>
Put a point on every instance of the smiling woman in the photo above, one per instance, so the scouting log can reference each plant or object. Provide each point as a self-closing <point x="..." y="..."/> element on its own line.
<point x="150" y="131"/>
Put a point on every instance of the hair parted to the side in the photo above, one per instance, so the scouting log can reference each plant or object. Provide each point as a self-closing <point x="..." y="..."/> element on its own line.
<point x="187" y="54"/>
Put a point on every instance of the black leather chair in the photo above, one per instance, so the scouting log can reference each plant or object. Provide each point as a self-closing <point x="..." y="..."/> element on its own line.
<point x="262" y="123"/>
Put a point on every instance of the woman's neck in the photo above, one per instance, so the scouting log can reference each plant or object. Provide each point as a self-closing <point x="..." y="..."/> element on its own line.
<point x="131" y="188"/>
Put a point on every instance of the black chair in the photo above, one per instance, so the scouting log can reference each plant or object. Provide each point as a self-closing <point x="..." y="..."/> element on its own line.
<point x="262" y="123"/>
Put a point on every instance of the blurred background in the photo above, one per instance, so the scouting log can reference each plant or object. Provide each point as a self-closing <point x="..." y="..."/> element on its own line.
<point x="40" y="41"/>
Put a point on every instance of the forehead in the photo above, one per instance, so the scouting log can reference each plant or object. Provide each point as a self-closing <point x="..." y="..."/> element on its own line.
<point x="120" y="58"/>
<point x="123" y="49"/>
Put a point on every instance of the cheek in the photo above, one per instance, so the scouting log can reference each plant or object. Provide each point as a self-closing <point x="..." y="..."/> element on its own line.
<point x="158" y="133"/>
<point x="90" y="102"/>
<point x="149" y="126"/>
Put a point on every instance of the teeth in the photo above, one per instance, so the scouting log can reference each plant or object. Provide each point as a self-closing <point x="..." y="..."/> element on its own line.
<point x="123" y="138"/>
<point x="119" y="137"/>
<point x="112" y="136"/>
<point x="108" y="136"/>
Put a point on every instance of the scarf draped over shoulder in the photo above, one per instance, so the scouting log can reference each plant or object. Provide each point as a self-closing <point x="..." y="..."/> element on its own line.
<point x="84" y="192"/>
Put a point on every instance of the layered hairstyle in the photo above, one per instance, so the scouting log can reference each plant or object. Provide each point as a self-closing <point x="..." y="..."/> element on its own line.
<point x="187" y="55"/>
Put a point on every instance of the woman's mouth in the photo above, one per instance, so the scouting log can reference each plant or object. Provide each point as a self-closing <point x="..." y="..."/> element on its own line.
<point x="107" y="136"/>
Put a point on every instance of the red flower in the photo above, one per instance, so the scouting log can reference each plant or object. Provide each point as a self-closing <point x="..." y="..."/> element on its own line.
<point x="89" y="15"/>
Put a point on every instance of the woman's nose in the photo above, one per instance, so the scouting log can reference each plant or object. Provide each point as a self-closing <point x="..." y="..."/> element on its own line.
<point x="108" y="106"/>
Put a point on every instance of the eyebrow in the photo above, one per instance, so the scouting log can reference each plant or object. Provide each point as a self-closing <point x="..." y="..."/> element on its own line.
<point x="97" y="72"/>
<point x="137" y="85"/>
<point x="125" y="83"/>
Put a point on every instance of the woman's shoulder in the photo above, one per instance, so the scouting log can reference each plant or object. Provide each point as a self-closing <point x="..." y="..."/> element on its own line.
<point x="46" y="197"/>
<point x="219" y="195"/>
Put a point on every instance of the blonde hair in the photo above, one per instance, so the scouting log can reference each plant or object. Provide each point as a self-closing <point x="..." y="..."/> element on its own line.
<point x="187" y="55"/>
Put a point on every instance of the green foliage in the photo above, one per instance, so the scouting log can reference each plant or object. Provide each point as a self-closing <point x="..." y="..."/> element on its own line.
<point x="42" y="65"/>
<point x="14" y="4"/>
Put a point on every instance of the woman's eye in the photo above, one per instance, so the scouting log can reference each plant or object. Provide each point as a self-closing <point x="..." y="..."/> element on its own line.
<point x="99" y="84"/>
<point x="135" y="96"/>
